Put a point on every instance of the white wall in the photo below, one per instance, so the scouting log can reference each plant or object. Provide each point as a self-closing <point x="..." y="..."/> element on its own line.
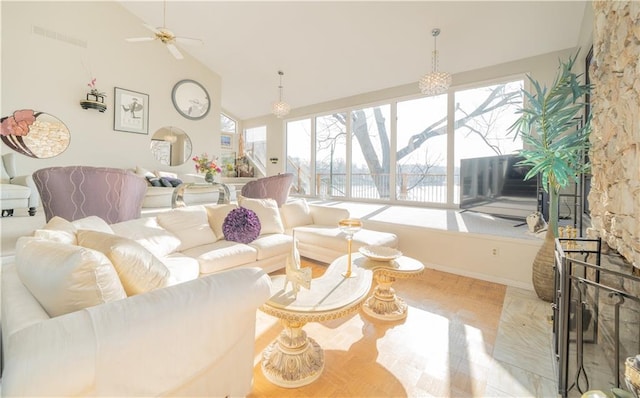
<point x="48" y="75"/>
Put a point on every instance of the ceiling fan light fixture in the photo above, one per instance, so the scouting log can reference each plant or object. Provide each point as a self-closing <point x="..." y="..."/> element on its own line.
<point x="166" y="36"/>
<point x="436" y="82"/>
<point x="280" y="108"/>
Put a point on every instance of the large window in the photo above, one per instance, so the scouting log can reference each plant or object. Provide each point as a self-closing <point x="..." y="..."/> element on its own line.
<point x="483" y="117"/>
<point x="255" y="146"/>
<point x="364" y="154"/>
<point x="331" y="155"/>
<point x="421" y="157"/>
<point x="227" y="124"/>
<point x="370" y="164"/>
<point x="299" y="155"/>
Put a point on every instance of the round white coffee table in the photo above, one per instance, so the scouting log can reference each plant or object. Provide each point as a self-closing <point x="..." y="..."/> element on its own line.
<point x="294" y="359"/>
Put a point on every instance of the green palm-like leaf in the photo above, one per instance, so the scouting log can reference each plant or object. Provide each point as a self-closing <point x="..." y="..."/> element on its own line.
<point x="552" y="131"/>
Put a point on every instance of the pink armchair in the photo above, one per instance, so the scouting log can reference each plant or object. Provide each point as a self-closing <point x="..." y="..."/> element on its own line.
<point x="75" y="192"/>
<point x="274" y="187"/>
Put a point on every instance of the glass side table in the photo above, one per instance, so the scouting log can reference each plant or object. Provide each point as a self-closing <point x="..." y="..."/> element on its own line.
<point x="177" y="199"/>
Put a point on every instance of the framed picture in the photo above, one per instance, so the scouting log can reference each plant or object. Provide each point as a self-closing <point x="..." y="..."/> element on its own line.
<point x="131" y="111"/>
<point x="226" y="141"/>
<point x="228" y="164"/>
<point x="191" y="99"/>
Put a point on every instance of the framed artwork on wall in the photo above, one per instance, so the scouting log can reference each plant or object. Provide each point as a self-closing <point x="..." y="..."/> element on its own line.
<point x="131" y="111"/>
<point x="228" y="164"/>
<point x="226" y="141"/>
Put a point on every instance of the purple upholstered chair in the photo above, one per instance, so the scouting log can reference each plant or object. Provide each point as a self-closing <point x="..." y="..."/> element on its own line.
<point x="74" y="192"/>
<point x="274" y="187"/>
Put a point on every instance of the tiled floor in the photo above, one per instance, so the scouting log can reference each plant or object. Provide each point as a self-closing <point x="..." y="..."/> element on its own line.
<point x="462" y="338"/>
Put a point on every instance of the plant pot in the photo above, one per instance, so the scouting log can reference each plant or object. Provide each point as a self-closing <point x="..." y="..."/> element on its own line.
<point x="542" y="272"/>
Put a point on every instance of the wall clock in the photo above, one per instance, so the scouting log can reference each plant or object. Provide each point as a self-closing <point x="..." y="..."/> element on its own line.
<point x="191" y="99"/>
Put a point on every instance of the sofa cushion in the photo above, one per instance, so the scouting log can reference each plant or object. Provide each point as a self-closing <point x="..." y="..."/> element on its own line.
<point x="296" y="213"/>
<point x="181" y="268"/>
<point x="148" y="233"/>
<point x="189" y="224"/>
<point x="92" y="223"/>
<point x="55" y="236"/>
<point x="59" y="230"/>
<point x="216" y="215"/>
<point x="169" y="174"/>
<point x="222" y="255"/>
<point x="66" y="278"/>
<point x="138" y="269"/>
<point x="272" y="245"/>
<point x="241" y="225"/>
<point x="142" y="172"/>
<point x="154" y="181"/>
<point x="268" y="213"/>
<point x="170" y="181"/>
<point x="332" y="238"/>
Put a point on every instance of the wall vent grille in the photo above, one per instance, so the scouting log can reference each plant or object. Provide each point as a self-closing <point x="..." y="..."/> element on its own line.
<point x="50" y="34"/>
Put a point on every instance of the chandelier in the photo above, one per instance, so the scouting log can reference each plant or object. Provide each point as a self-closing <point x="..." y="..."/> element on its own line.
<point x="280" y="108"/>
<point x="435" y="83"/>
<point x="170" y="138"/>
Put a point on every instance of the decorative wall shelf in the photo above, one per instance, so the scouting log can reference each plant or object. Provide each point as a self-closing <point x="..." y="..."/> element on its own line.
<point x="97" y="102"/>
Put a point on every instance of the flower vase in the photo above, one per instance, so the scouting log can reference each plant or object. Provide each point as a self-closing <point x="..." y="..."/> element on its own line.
<point x="208" y="177"/>
<point x="543" y="269"/>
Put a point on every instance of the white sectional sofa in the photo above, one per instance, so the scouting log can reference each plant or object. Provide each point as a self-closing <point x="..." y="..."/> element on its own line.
<point x="162" y="305"/>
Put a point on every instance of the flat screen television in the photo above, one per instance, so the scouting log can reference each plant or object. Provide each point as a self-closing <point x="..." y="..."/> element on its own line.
<point x="495" y="185"/>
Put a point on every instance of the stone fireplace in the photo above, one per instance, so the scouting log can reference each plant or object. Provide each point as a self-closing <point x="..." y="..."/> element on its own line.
<point x="614" y="199"/>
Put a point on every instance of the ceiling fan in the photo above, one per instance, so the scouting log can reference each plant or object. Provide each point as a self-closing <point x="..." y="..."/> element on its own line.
<point x="166" y="36"/>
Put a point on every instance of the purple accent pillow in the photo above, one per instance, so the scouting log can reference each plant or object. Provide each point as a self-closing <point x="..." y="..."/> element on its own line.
<point x="241" y="225"/>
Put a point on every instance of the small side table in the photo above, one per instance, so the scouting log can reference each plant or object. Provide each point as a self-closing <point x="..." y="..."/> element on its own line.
<point x="177" y="199"/>
<point x="384" y="304"/>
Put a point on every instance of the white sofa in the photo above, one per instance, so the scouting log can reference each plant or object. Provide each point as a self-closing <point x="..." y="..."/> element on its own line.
<point x="319" y="238"/>
<point x="161" y="196"/>
<point x="87" y="310"/>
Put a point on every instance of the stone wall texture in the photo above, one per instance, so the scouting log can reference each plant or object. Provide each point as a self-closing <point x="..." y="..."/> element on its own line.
<point x="614" y="198"/>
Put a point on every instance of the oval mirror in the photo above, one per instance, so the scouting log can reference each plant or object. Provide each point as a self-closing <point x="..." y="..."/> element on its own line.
<point x="171" y="146"/>
<point x="190" y="99"/>
<point x="35" y="134"/>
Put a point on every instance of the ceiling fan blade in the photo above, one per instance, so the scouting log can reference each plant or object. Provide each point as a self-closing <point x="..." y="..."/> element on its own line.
<point x="189" y="41"/>
<point x="139" y="39"/>
<point x="174" y="50"/>
<point x="151" y="28"/>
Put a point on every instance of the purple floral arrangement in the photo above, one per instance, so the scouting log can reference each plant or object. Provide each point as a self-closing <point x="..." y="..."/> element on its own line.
<point x="241" y="225"/>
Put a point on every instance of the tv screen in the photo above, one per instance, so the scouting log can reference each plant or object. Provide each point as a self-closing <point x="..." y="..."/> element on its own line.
<point x="496" y="185"/>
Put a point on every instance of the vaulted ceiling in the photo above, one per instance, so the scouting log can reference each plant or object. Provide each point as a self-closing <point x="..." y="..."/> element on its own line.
<point x="331" y="50"/>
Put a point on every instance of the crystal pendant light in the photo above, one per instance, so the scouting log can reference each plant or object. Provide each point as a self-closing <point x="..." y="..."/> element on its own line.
<point x="280" y="108"/>
<point x="436" y="82"/>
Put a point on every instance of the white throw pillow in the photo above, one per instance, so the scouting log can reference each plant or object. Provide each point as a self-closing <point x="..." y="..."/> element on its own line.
<point x="56" y="236"/>
<point x="149" y="234"/>
<point x="144" y="173"/>
<point x="92" y="223"/>
<point x="138" y="269"/>
<point x="189" y="224"/>
<point x="160" y="174"/>
<point x="216" y="215"/>
<point x="267" y="212"/>
<point x="66" y="278"/>
<point x="63" y="226"/>
<point x="296" y="213"/>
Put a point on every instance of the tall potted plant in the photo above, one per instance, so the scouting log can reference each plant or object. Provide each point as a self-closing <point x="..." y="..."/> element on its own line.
<point x="555" y="140"/>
